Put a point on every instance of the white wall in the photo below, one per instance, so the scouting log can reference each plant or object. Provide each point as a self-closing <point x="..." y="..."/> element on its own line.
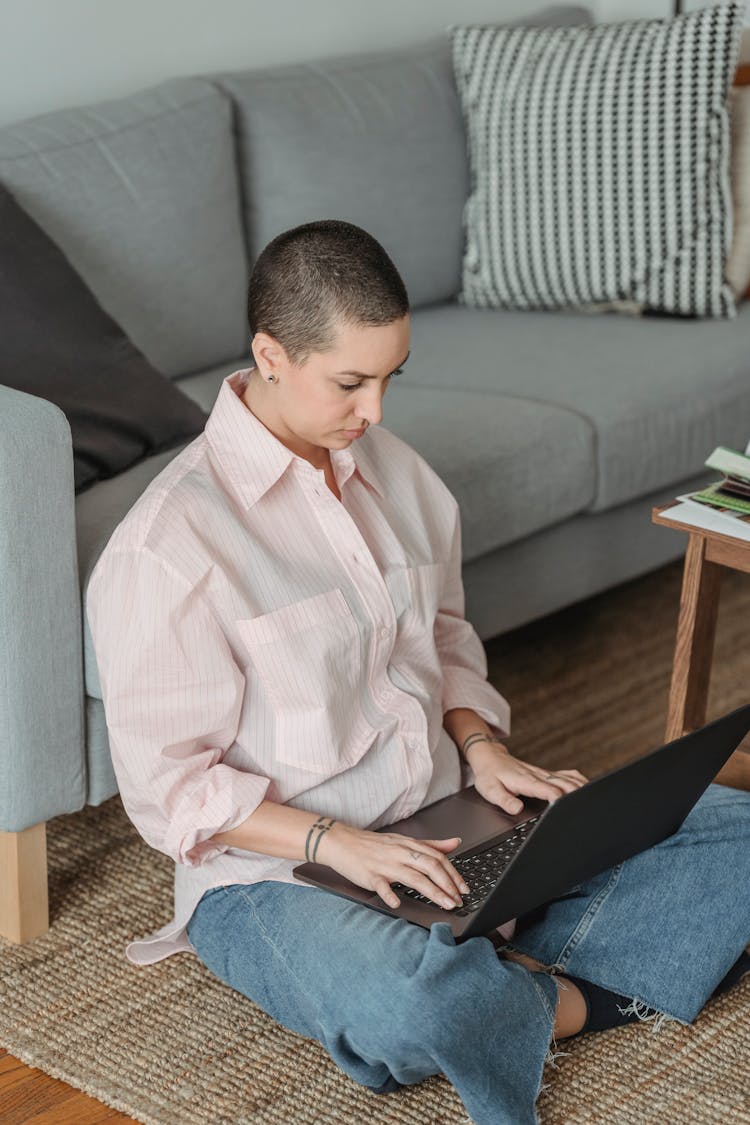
<point x="612" y="10"/>
<point x="56" y="53"/>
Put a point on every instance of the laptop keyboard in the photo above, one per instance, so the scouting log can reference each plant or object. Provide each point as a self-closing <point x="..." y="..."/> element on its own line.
<point x="481" y="870"/>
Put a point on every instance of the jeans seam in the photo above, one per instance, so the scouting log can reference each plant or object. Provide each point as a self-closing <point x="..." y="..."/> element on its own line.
<point x="585" y="923"/>
<point x="543" y="995"/>
<point x="267" y="938"/>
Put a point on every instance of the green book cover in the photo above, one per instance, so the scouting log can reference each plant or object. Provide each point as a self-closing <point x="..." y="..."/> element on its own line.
<point x="712" y="495"/>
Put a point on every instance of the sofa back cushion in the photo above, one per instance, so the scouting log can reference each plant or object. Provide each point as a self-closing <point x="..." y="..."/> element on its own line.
<point x="376" y="139"/>
<point x="141" y="194"/>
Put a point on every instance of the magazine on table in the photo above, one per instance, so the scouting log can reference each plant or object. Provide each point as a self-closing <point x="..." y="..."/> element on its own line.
<point x="690" y="512"/>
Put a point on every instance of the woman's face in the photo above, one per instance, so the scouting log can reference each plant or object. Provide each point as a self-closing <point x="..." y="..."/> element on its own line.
<point x="336" y="395"/>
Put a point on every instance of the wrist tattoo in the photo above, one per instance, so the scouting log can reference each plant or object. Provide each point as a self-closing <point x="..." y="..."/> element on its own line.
<point x="477" y="736"/>
<point x="321" y="827"/>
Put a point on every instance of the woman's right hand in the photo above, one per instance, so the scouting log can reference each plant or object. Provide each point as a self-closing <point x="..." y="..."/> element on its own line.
<point x="374" y="860"/>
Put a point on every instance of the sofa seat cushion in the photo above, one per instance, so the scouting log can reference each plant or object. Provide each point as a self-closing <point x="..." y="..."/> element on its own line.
<point x="142" y="196"/>
<point x="659" y="393"/>
<point x="485" y="446"/>
<point x="513" y="465"/>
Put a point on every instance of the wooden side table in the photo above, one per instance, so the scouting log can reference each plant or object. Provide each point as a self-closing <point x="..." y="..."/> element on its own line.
<point x="709" y="554"/>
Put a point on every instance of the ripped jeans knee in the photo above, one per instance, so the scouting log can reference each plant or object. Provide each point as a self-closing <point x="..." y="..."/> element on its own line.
<point x="604" y="1008"/>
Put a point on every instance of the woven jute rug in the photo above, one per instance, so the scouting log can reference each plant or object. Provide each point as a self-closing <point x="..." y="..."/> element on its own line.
<point x="170" y="1045"/>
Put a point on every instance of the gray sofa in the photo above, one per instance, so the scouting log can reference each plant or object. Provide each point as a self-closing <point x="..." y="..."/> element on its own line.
<point x="556" y="432"/>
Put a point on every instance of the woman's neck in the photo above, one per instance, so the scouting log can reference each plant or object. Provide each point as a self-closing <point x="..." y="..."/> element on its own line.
<point x="256" y="398"/>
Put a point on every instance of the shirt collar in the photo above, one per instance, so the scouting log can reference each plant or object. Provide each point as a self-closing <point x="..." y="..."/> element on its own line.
<point x="253" y="459"/>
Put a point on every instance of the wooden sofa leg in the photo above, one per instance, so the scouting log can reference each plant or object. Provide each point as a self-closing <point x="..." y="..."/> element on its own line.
<point x="24" y="909"/>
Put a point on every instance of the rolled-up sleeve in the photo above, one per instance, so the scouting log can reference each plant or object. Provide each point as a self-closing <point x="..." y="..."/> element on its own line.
<point x="172" y="695"/>
<point x="461" y="652"/>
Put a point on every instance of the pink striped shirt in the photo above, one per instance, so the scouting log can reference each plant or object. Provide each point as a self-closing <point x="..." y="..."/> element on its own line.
<point x="257" y="638"/>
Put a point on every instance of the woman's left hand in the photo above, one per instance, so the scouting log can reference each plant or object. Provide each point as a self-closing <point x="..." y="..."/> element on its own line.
<point x="502" y="779"/>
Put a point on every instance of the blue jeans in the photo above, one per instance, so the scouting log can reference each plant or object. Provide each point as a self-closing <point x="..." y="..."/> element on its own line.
<point x="389" y="1000"/>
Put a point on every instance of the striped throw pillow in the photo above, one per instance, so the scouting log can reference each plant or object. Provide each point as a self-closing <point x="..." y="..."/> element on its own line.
<point x="599" y="164"/>
<point x="738" y="262"/>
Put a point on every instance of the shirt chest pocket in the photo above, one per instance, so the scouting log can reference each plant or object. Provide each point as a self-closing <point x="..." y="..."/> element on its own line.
<point x="307" y="657"/>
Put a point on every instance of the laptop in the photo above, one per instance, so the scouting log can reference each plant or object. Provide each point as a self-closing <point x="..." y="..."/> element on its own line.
<point x="513" y="864"/>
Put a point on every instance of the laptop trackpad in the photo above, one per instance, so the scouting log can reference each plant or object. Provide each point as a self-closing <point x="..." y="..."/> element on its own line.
<point x="465" y="814"/>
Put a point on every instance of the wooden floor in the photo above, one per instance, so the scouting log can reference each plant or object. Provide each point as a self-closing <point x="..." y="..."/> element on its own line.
<point x="28" y="1096"/>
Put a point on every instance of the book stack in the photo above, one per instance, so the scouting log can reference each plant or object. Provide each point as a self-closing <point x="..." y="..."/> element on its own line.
<point x="724" y="505"/>
<point x="732" y="493"/>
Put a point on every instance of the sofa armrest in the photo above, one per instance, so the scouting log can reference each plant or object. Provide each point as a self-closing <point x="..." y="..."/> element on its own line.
<point x="42" y="743"/>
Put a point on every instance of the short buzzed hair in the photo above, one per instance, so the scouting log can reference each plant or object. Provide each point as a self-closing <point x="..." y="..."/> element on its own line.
<point x="315" y="276"/>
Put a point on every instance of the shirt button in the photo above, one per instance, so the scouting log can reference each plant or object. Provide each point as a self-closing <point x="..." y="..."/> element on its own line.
<point x="384" y="630"/>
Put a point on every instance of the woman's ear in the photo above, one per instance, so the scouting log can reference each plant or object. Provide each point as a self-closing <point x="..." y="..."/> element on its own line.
<point x="270" y="357"/>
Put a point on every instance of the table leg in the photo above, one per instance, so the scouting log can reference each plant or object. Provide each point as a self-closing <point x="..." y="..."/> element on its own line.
<point x="696" y="629"/>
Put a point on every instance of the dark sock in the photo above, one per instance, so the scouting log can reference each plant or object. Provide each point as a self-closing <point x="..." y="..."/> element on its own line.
<point x="602" y="1006"/>
<point x="737" y="971"/>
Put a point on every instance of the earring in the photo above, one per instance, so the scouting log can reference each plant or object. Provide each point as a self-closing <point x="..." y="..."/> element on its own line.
<point x="271" y="378"/>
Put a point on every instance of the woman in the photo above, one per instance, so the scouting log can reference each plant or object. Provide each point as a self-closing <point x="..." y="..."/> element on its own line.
<point x="285" y="667"/>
